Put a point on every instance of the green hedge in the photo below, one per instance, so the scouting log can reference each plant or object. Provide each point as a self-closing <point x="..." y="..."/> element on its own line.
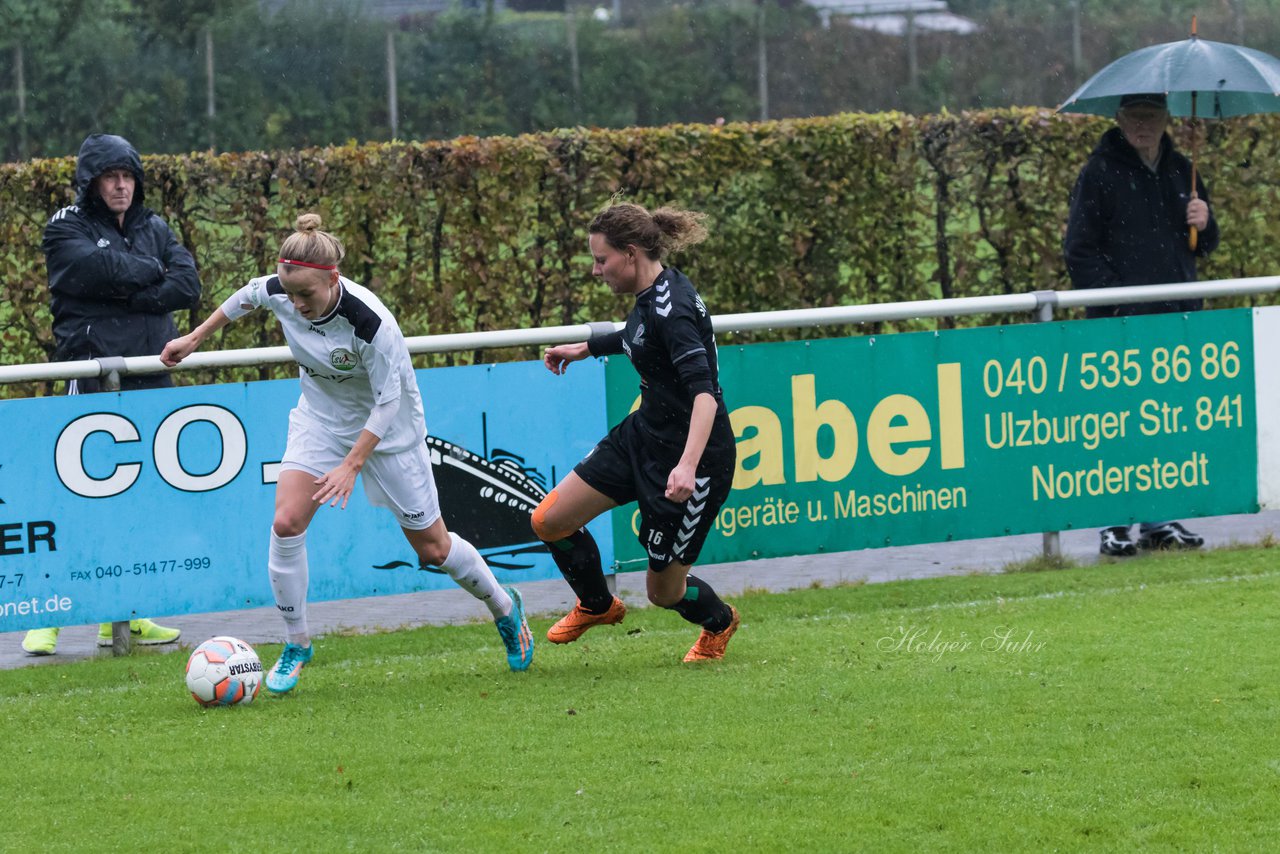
<point x="489" y="233"/>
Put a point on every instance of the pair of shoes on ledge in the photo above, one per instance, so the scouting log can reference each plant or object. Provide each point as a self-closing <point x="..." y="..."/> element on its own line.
<point x="143" y="632"/>
<point x="1169" y="535"/>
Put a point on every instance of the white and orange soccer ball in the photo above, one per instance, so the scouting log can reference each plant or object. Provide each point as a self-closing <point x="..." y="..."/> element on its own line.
<point x="224" y="671"/>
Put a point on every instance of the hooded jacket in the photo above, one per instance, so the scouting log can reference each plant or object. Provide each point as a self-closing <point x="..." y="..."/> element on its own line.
<point x="1128" y="224"/>
<point x="112" y="287"/>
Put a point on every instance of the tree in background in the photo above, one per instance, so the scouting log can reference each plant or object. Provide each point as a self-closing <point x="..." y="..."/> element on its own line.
<point x="299" y="73"/>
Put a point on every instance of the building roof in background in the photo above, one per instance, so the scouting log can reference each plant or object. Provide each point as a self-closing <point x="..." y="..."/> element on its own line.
<point x="877" y="7"/>
<point x="391" y="10"/>
<point x="883" y="16"/>
<point x="926" y="22"/>
<point x="890" y="17"/>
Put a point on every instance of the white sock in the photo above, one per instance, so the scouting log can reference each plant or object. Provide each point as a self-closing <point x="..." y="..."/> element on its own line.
<point x="287" y="566"/>
<point x="468" y="569"/>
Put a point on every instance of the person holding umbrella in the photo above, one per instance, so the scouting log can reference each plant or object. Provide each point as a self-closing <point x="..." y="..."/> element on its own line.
<point x="1132" y="215"/>
<point x="1140" y="214"/>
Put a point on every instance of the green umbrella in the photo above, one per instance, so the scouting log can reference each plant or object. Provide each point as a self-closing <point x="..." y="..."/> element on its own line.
<point x="1230" y="80"/>
<point x="1226" y="79"/>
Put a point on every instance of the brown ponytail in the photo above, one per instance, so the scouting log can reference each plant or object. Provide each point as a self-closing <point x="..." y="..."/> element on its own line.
<point x="665" y="230"/>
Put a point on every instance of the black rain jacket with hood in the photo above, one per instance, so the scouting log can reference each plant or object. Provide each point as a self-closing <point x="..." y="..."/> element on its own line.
<point x="112" y="287"/>
<point x="1128" y="224"/>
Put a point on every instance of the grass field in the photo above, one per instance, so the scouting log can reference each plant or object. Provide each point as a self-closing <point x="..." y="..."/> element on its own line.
<point x="1126" y="706"/>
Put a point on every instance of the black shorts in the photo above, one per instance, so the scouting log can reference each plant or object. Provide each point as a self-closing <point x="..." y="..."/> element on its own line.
<point x="626" y="467"/>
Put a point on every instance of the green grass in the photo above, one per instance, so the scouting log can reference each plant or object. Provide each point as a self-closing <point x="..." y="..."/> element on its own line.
<point x="1132" y="707"/>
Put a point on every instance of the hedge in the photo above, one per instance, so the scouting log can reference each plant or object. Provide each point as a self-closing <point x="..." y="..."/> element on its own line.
<point x="489" y="233"/>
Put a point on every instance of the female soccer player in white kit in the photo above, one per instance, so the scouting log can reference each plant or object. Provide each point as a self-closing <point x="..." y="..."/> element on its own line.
<point x="360" y="412"/>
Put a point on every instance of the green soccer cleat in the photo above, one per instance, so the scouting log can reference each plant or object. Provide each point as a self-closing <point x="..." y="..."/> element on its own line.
<point x="142" y="632"/>
<point x="40" y="642"/>
<point x="515" y="634"/>
<point x="283" y="676"/>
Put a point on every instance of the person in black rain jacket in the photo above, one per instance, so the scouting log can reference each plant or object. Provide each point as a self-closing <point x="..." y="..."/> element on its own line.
<point x="1132" y="211"/>
<point x="116" y="270"/>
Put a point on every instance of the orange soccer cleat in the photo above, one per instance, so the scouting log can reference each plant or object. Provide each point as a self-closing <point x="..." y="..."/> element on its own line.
<point x="571" y="626"/>
<point x="710" y="646"/>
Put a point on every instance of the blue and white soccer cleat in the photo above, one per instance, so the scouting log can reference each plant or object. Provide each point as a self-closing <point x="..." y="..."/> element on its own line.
<point x="515" y="633"/>
<point x="285" y="672"/>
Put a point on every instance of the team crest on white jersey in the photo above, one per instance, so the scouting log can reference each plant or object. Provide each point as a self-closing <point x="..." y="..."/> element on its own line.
<point x="343" y="359"/>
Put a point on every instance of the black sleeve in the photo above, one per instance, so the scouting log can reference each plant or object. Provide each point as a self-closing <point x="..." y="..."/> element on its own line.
<point x="180" y="287"/>
<point x="687" y="352"/>
<point x="606" y="345"/>
<point x="1082" y="246"/>
<point x="79" y="268"/>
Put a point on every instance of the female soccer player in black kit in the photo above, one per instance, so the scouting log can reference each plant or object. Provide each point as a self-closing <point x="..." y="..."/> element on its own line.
<point x="675" y="455"/>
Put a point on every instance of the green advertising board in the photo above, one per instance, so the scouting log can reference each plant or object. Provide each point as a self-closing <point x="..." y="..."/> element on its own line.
<point x="873" y="441"/>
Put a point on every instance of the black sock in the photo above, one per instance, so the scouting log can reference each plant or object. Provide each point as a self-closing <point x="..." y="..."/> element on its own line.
<point x="578" y="558"/>
<point x="701" y="605"/>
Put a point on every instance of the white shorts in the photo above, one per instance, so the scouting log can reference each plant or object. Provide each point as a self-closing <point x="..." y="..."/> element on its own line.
<point x="402" y="482"/>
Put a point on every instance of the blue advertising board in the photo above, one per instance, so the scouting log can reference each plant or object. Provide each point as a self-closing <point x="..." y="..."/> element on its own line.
<point x="160" y="502"/>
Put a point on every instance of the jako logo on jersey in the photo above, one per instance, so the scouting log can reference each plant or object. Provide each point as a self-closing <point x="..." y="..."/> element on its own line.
<point x="342" y="359"/>
<point x="103" y="243"/>
<point x="411" y="516"/>
<point x="316" y="330"/>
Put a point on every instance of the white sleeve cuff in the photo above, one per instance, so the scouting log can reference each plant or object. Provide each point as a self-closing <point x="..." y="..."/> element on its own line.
<point x="238" y="304"/>
<point x="381" y="417"/>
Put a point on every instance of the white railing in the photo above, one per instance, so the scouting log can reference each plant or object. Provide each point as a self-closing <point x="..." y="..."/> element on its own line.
<point x="1040" y="302"/>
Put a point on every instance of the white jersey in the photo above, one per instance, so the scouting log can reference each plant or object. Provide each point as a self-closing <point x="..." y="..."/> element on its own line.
<point x="350" y="360"/>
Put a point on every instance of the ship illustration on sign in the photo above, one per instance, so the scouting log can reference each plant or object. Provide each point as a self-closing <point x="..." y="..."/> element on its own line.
<point x="486" y="500"/>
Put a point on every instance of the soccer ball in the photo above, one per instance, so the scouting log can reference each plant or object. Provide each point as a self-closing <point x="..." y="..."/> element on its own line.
<point x="224" y="671"/>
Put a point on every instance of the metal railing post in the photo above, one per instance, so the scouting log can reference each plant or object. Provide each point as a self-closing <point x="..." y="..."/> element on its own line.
<point x="111" y="369"/>
<point x="121" y="640"/>
<point x="1051" y="541"/>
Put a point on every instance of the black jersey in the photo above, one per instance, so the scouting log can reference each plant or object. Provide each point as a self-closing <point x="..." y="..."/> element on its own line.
<point x="669" y="339"/>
